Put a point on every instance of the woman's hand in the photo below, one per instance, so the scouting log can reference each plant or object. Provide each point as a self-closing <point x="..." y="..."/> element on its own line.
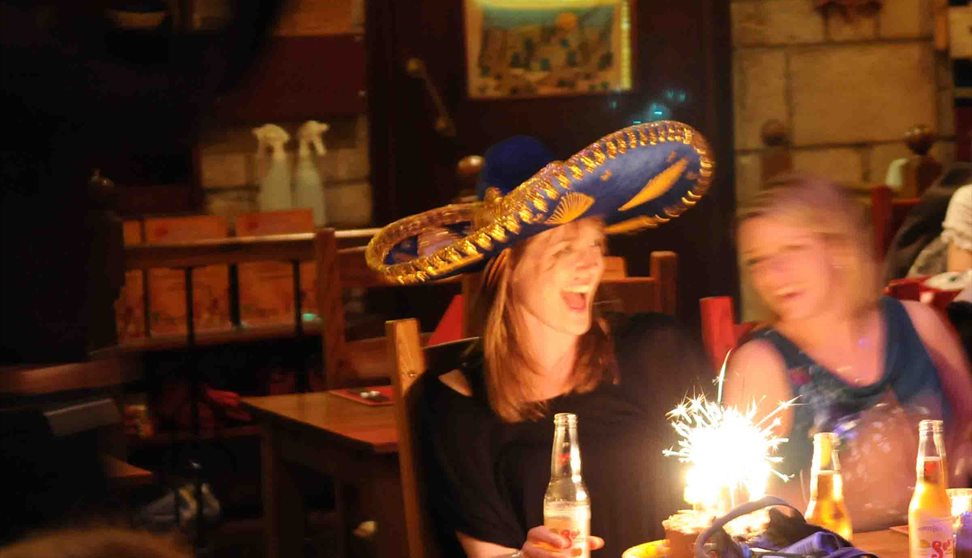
<point x="544" y="543"/>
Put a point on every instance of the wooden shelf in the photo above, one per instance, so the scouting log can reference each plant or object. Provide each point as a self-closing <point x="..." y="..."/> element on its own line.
<point x="166" y="437"/>
<point x="213" y="338"/>
<point x="106" y="368"/>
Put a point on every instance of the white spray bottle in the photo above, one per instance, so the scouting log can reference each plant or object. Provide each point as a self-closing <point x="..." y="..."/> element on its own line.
<point x="308" y="182"/>
<point x="275" y="184"/>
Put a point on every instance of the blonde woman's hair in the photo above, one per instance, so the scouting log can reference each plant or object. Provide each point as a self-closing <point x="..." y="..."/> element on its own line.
<point x="506" y="360"/>
<point x="97" y="542"/>
<point x="827" y="209"/>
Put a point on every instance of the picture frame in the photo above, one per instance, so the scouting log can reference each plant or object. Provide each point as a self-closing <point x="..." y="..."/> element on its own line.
<point x="544" y="48"/>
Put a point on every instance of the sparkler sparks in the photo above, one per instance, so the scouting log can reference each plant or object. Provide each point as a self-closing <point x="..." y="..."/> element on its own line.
<point x="730" y="452"/>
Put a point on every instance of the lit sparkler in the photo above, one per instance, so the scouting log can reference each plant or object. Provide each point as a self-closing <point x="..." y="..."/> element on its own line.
<point x="730" y="453"/>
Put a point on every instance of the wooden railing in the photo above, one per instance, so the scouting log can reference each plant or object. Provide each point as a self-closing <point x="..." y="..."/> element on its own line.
<point x="339" y="262"/>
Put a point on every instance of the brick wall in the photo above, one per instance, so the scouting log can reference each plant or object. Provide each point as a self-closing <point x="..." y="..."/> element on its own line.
<point x="846" y="89"/>
<point x="230" y="173"/>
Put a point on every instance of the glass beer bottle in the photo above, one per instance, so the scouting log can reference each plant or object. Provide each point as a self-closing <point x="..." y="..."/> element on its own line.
<point x="930" y="512"/>
<point x="566" y="505"/>
<point x="827" y="508"/>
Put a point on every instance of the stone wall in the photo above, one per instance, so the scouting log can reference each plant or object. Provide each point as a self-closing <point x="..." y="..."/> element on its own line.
<point x="230" y="172"/>
<point x="847" y="89"/>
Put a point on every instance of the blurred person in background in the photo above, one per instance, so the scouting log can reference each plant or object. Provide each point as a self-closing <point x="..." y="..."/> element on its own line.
<point x="865" y="366"/>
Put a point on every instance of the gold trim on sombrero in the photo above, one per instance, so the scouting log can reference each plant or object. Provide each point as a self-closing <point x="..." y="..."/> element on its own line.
<point x="634" y="224"/>
<point x="571" y="206"/>
<point x="658" y="185"/>
<point x="528" y="204"/>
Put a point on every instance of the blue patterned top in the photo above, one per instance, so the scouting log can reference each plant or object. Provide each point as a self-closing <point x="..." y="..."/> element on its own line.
<point x="828" y="403"/>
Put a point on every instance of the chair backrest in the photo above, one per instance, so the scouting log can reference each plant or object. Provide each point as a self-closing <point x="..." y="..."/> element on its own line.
<point x="657" y="292"/>
<point x="887" y="214"/>
<point x="409" y="360"/>
<point x="720" y="331"/>
<point x="347" y="363"/>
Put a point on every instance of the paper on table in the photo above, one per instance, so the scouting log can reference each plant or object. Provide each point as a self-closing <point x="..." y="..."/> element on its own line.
<point x="371" y="396"/>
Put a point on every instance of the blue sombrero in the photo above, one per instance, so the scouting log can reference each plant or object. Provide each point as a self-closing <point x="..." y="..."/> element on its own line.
<point x="633" y="179"/>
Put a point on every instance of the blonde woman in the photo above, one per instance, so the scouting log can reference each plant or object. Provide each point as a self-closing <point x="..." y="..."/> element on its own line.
<point x="865" y="366"/>
<point x="487" y="425"/>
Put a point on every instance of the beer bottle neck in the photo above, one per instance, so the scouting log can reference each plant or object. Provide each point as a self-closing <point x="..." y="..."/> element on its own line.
<point x="825" y="479"/>
<point x="565" y="461"/>
<point x="930" y="467"/>
<point x="825" y="452"/>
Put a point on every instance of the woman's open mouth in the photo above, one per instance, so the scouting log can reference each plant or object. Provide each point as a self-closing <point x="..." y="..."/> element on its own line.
<point x="787" y="295"/>
<point x="576" y="298"/>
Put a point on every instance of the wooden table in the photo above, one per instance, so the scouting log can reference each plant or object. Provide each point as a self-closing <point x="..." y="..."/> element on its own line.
<point x="885" y="544"/>
<point x="355" y="444"/>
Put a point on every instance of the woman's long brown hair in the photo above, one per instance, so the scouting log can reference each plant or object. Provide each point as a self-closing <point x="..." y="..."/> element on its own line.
<point x="507" y="362"/>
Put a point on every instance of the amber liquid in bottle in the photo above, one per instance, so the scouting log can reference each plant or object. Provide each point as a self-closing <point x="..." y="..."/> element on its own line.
<point x="930" y="512"/>
<point x="827" y="508"/>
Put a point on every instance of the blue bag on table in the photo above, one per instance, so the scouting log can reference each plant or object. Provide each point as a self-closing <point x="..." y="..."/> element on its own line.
<point x="786" y="536"/>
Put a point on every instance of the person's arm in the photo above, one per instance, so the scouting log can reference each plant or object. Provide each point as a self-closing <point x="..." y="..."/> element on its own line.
<point x="541" y="543"/>
<point x="458" y="463"/>
<point x="756" y="374"/>
<point x="954" y="374"/>
<point x="475" y="548"/>
<point x="957" y="258"/>
<point x="957" y="230"/>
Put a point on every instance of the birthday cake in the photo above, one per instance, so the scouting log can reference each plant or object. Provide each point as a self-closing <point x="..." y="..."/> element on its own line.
<point x="681" y="530"/>
<point x="685" y="526"/>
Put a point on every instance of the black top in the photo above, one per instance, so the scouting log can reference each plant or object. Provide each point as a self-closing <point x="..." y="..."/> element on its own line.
<point x="487" y="478"/>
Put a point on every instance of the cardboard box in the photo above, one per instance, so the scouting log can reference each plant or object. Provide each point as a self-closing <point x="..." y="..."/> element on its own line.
<point x="267" y="288"/>
<point x="130" y="304"/>
<point x="167" y="287"/>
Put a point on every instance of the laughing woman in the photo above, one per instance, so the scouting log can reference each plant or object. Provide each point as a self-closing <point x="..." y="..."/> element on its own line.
<point x="545" y="349"/>
<point x="861" y="365"/>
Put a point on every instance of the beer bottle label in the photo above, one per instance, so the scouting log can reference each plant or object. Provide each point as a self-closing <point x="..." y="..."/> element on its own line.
<point x="573" y="525"/>
<point x="934" y="539"/>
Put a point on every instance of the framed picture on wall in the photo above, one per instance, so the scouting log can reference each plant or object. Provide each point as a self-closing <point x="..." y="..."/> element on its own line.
<point x="540" y="48"/>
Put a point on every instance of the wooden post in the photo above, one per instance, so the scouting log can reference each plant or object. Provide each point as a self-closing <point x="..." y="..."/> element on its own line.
<point x="467" y="174"/>
<point x="331" y="311"/>
<point x="664" y="268"/>
<point x="775" y="158"/>
<point x="921" y="169"/>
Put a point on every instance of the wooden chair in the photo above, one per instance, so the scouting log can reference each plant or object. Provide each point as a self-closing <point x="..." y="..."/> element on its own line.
<point x="657" y="292"/>
<point x="887" y="214"/>
<point x="409" y="360"/>
<point x="720" y="331"/>
<point x="358" y="362"/>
